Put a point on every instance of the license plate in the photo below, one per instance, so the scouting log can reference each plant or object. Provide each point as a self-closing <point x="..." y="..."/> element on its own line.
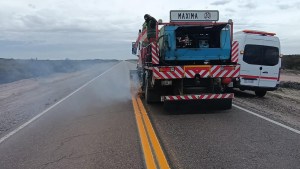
<point x="248" y="81"/>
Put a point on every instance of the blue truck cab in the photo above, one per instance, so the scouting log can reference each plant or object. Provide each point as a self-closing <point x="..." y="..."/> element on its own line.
<point x="195" y="43"/>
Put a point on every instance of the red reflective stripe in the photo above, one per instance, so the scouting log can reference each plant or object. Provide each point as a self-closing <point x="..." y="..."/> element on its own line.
<point x="259" y="32"/>
<point x="235" y="73"/>
<point x="219" y="74"/>
<point x="234" y="53"/>
<point x="216" y="68"/>
<point x="216" y="96"/>
<point x="256" y="77"/>
<point x="189" y="75"/>
<point x="227" y="73"/>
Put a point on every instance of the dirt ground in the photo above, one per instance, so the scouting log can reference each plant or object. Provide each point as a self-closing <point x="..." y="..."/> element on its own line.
<point x="290" y="75"/>
<point x="282" y="105"/>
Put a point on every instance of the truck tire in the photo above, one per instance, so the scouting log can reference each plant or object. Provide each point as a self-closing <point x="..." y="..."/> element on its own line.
<point x="148" y="92"/>
<point x="260" y="93"/>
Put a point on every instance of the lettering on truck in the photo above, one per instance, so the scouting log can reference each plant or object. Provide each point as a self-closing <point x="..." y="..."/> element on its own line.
<point x="189" y="15"/>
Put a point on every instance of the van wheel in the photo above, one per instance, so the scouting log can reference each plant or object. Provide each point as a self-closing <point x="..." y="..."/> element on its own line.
<point x="260" y="93"/>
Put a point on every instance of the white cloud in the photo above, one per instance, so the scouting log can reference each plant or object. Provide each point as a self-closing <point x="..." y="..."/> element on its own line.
<point x="220" y="2"/>
<point x="93" y="28"/>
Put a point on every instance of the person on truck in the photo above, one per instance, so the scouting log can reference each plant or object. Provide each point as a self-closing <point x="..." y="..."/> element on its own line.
<point x="150" y="24"/>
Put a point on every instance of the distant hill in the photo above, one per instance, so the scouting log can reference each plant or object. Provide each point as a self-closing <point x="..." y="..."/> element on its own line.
<point x="13" y="70"/>
<point x="291" y="62"/>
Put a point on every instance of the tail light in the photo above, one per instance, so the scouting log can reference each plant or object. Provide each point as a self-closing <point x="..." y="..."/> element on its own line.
<point x="226" y="80"/>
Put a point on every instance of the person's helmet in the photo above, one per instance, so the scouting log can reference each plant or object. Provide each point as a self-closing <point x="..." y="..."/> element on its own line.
<point x="146" y="16"/>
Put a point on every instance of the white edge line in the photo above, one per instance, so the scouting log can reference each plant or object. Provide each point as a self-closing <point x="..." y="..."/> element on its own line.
<point x="267" y="119"/>
<point x="49" y="108"/>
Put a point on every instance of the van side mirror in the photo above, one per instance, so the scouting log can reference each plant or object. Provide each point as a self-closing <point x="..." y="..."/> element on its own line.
<point x="134" y="48"/>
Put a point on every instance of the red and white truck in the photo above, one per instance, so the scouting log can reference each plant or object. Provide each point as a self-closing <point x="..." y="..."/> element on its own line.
<point x="191" y="59"/>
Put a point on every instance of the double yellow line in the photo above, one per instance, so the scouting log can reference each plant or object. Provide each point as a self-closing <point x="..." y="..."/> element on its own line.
<point x="153" y="153"/>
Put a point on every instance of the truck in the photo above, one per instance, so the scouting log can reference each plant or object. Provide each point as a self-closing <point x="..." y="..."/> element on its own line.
<point x="190" y="59"/>
<point x="259" y="58"/>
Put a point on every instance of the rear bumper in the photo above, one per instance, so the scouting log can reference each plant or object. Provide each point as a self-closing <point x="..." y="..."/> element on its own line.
<point x="255" y="88"/>
<point x="191" y="71"/>
<point x="197" y="97"/>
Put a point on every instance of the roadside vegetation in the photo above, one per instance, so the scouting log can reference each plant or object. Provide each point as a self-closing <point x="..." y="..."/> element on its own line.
<point x="291" y="62"/>
<point x="13" y="70"/>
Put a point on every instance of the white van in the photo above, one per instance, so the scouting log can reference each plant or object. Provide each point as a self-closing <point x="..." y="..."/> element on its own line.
<point x="259" y="57"/>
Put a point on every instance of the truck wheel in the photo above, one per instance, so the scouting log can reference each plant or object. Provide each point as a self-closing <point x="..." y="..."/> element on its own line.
<point x="260" y="93"/>
<point x="148" y="92"/>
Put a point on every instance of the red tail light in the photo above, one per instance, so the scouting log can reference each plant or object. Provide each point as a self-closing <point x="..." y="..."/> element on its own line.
<point x="226" y="80"/>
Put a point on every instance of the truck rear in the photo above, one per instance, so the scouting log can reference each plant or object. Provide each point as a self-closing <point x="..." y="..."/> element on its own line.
<point x="190" y="59"/>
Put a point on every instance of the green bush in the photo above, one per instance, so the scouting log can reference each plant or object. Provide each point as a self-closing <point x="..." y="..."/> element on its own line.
<point x="291" y="62"/>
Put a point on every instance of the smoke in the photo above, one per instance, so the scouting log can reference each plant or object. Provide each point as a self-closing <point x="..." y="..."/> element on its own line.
<point x="13" y="70"/>
<point x="24" y="99"/>
<point x="107" y="93"/>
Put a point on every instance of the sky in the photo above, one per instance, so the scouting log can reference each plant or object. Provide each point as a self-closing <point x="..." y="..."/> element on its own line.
<point x="97" y="29"/>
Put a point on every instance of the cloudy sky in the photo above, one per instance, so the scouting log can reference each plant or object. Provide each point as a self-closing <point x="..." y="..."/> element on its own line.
<point x="88" y="29"/>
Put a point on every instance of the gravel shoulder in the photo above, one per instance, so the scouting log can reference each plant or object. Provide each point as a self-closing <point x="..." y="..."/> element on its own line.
<point x="22" y="100"/>
<point x="282" y="105"/>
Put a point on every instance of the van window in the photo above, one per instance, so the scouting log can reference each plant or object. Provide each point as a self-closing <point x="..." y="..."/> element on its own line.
<point x="261" y="55"/>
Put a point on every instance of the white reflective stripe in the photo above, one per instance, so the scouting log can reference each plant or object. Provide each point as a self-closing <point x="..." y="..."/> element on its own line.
<point x="155" y="60"/>
<point x="155" y="75"/>
<point x="206" y="74"/>
<point x="178" y="74"/>
<point x="220" y="95"/>
<point x="216" y="72"/>
<point x="230" y="74"/>
<point x="201" y="72"/>
<point x="192" y="72"/>
<point x="187" y="75"/>
<point x="236" y="73"/>
<point x="223" y="73"/>
<point x="172" y="76"/>
<point x="180" y="69"/>
<point x="212" y="96"/>
<point x="174" y="97"/>
<point x="182" y="97"/>
<point x="213" y="68"/>
<point x="205" y="96"/>
<point x="163" y="75"/>
<point x="227" y="95"/>
<point x="190" y="97"/>
<point x="167" y="98"/>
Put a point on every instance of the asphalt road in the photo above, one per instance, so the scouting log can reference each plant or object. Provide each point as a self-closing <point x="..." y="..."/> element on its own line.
<point x="93" y="128"/>
<point x="96" y="128"/>
<point x="201" y="138"/>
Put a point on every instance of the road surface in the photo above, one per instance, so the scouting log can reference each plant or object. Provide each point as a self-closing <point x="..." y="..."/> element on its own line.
<point x="97" y="126"/>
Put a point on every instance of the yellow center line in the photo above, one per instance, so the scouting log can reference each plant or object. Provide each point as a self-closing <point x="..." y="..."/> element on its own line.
<point x="148" y="155"/>
<point x="160" y="156"/>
